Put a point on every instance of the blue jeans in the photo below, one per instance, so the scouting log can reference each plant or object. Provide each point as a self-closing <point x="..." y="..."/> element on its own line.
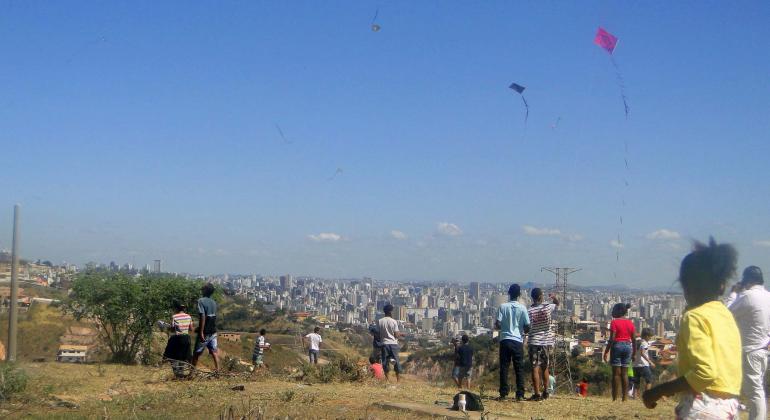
<point x="390" y="352"/>
<point x="512" y="350"/>
<point x="620" y="354"/>
<point x="313" y="355"/>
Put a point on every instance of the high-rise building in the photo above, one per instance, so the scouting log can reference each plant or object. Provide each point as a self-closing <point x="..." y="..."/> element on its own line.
<point x="475" y="290"/>
<point x="287" y="283"/>
<point x="156" y="268"/>
<point x="401" y="313"/>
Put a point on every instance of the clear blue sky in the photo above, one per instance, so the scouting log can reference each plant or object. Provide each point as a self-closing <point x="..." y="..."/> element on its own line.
<point x="139" y="130"/>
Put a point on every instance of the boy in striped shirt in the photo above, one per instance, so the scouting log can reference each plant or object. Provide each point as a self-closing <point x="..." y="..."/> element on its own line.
<point x="541" y="340"/>
<point x="178" y="346"/>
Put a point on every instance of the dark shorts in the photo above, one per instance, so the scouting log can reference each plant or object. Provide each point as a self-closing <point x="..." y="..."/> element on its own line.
<point x="389" y="353"/>
<point x="539" y="356"/>
<point x="620" y="354"/>
<point x="462" y="372"/>
<point x="643" y="372"/>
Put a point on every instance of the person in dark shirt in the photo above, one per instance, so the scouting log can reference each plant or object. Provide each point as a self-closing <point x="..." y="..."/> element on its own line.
<point x="464" y="363"/>
<point x="207" y="326"/>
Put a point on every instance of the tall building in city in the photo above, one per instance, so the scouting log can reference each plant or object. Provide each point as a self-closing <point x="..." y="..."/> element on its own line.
<point x="287" y="282"/>
<point x="156" y="268"/>
<point x="475" y="290"/>
<point x="401" y="313"/>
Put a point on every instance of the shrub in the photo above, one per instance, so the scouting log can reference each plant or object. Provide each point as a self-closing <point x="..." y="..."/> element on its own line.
<point x="12" y="381"/>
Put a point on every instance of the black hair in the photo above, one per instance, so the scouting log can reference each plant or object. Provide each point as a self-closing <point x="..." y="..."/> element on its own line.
<point x="646" y="332"/>
<point x="752" y="275"/>
<point x="372" y="360"/>
<point x="388" y="309"/>
<point x="620" y="309"/>
<point x="536" y="294"/>
<point x="514" y="291"/>
<point x="262" y="331"/>
<point x="207" y="290"/>
<point x="178" y="306"/>
<point x="704" y="271"/>
<point x="316" y="329"/>
<point x="465" y="338"/>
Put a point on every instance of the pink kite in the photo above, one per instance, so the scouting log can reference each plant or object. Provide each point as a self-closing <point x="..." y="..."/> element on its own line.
<point x="605" y="40"/>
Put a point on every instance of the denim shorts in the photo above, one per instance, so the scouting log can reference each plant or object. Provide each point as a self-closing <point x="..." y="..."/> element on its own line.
<point x="210" y="343"/>
<point x="620" y="354"/>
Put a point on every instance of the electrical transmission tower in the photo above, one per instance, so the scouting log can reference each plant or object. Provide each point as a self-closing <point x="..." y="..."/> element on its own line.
<point x="560" y="362"/>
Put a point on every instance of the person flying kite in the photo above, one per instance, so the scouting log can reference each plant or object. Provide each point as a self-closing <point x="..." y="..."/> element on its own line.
<point x="520" y="90"/>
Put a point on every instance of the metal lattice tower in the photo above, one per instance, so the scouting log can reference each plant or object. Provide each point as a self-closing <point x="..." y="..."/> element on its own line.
<point x="560" y="365"/>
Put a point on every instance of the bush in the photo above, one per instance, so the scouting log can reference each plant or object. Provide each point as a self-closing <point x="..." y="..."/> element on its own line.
<point x="339" y="370"/>
<point x="12" y="381"/>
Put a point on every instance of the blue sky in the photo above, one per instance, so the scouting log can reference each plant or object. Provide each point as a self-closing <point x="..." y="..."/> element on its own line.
<point x="141" y="130"/>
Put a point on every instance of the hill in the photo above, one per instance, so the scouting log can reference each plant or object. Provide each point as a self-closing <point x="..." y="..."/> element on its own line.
<point x="59" y="391"/>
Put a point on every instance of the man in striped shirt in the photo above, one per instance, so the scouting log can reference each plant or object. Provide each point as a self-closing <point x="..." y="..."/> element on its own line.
<point x="541" y="340"/>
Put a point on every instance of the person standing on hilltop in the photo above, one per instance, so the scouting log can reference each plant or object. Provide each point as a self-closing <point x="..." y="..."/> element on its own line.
<point x="464" y="359"/>
<point x="314" y="341"/>
<point x="389" y="334"/>
<point x="750" y="304"/>
<point x="620" y="349"/>
<point x="260" y="344"/>
<point x="178" y="346"/>
<point x="513" y="323"/>
<point x="643" y="363"/>
<point x="709" y="343"/>
<point x="541" y="341"/>
<point x="207" y="326"/>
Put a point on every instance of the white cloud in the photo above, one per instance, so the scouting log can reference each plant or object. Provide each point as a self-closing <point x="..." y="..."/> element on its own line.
<point x="663" y="235"/>
<point x="573" y="237"/>
<point x="448" y="229"/>
<point x="616" y="244"/>
<point x="325" y="237"/>
<point x="397" y="234"/>
<point x="764" y="243"/>
<point x="535" y="231"/>
<point x="219" y="252"/>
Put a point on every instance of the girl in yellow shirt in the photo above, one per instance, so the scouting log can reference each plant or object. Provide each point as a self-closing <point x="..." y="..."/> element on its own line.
<point x="708" y="342"/>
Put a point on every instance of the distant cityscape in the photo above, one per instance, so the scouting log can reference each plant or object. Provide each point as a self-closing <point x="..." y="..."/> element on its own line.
<point x="429" y="313"/>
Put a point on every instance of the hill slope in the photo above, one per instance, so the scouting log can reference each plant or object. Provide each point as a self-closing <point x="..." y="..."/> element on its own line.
<point x="116" y="391"/>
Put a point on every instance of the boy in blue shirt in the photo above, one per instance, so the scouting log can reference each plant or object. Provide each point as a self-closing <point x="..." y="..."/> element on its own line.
<point x="513" y="323"/>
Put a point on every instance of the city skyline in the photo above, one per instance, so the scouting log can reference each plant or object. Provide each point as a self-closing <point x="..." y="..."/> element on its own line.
<point x="291" y="138"/>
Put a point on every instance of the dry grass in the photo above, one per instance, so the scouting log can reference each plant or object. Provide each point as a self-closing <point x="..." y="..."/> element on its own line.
<point x="116" y="391"/>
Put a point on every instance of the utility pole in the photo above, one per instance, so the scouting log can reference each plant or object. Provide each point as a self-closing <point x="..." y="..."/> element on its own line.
<point x="560" y="366"/>
<point x="561" y="274"/>
<point x="12" y="314"/>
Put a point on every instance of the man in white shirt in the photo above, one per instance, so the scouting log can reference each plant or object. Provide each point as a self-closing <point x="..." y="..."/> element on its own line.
<point x="750" y="304"/>
<point x="314" y="340"/>
<point x="389" y="334"/>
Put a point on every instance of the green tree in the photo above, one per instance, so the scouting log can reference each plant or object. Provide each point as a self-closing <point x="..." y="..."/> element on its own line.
<point x="126" y="307"/>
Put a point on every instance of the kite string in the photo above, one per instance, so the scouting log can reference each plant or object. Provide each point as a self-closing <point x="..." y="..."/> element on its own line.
<point x="526" y="107"/>
<point x="622" y="85"/>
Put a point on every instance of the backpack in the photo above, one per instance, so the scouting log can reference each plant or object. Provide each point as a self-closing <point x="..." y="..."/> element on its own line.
<point x="472" y="402"/>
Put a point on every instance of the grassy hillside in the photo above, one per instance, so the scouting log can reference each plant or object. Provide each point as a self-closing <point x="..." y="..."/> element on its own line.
<point x="39" y="330"/>
<point x="115" y="391"/>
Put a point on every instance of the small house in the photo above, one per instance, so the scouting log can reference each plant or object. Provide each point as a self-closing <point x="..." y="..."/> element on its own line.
<point x="72" y="354"/>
